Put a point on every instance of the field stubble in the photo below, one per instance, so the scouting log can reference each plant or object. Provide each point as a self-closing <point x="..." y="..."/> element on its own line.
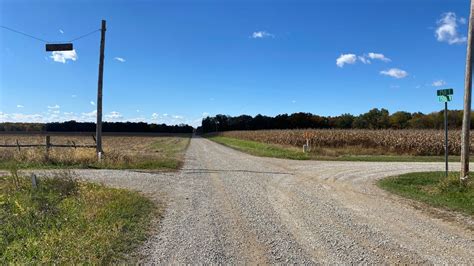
<point x="119" y="152"/>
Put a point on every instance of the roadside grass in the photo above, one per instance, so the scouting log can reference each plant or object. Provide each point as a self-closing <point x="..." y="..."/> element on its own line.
<point x="164" y="153"/>
<point x="261" y="149"/>
<point x="64" y="221"/>
<point x="434" y="189"/>
<point x="323" y="154"/>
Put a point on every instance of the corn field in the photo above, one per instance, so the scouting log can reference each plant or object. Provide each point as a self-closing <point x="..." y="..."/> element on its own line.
<point x="410" y="141"/>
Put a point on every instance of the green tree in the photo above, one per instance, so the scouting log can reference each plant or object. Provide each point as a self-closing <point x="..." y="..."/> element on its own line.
<point x="400" y="120"/>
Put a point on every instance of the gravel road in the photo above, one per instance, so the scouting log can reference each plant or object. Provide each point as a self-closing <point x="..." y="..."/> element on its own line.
<point x="225" y="206"/>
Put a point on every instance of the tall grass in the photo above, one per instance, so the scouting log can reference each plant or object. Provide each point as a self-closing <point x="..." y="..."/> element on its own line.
<point x="66" y="221"/>
<point x="119" y="153"/>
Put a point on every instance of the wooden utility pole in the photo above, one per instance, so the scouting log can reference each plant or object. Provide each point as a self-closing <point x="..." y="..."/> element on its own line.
<point x="466" y="121"/>
<point x="99" y="93"/>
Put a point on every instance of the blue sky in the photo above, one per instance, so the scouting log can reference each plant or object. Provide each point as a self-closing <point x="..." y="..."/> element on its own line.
<point x="177" y="61"/>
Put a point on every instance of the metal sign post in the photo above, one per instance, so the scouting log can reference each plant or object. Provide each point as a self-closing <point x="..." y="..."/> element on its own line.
<point x="445" y="96"/>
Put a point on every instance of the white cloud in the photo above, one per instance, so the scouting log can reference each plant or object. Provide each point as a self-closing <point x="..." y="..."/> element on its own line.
<point x="114" y="115"/>
<point x="19" y="117"/>
<point x="61" y="31"/>
<point x="54" y="107"/>
<point x="63" y="56"/>
<point x="120" y="59"/>
<point x="74" y="96"/>
<point x="379" y="57"/>
<point x="92" y="103"/>
<point x="261" y="35"/>
<point x="438" y="83"/>
<point x="394" y="73"/>
<point x="19" y="106"/>
<point x="138" y="111"/>
<point x="26" y="117"/>
<point x="205" y="114"/>
<point x="346" y="59"/>
<point x="364" y="60"/>
<point x="53" y="112"/>
<point x="447" y="30"/>
<point x="91" y="114"/>
<point x="155" y="116"/>
<point x="137" y="119"/>
<point x="169" y="119"/>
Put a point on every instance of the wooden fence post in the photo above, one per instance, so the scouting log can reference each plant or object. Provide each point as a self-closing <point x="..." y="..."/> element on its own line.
<point x="48" y="145"/>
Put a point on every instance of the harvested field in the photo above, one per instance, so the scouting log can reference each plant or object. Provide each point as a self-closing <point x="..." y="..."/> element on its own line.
<point x="119" y="151"/>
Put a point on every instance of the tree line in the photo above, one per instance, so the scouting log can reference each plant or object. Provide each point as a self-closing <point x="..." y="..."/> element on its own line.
<point x="73" y="126"/>
<point x="373" y="119"/>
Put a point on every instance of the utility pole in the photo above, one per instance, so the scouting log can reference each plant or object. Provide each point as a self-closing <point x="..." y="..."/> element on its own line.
<point x="466" y="120"/>
<point x="99" y="94"/>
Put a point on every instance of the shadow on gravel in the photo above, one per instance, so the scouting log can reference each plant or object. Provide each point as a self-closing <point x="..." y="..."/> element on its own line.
<point x="206" y="171"/>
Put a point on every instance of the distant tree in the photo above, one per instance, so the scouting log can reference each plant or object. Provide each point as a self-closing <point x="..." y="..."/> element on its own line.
<point x="73" y="126"/>
<point x="360" y="122"/>
<point x="421" y="121"/>
<point x="344" y="121"/>
<point x="399" y="120"/>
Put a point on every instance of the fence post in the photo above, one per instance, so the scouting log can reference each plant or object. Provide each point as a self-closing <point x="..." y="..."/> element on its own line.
<point x="18" y="145"/>
<point x="34" y="181"/>
<point x="48" y="145"/>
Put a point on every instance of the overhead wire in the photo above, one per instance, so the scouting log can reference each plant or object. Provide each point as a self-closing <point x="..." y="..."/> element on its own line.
<point x="85" y="35"/>
<point x="22" y="33"/>
<point x="42" y="40"/>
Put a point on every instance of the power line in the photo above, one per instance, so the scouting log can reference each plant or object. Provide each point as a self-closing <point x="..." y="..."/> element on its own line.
<point x="85" y="35"/>
<point x="25" y="34"/>
<point x="42" y="40"/>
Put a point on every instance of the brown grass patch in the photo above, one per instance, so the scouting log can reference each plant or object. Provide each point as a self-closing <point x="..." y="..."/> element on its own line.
<point x="119" y="152"/>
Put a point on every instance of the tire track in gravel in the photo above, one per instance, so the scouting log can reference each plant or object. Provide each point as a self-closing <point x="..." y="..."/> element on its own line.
<point x="252" y="250"/>
<point x="348" y="236"/>
<point x="227" y="207"/>
<point x="350" y="193"/>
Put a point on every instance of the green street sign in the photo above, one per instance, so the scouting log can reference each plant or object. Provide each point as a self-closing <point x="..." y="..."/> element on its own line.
<point x="445" y="98"/>
<point x="444" y="92"/>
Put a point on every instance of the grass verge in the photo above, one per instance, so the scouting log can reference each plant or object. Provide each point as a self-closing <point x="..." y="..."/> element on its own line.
<point x="434" y="189"/>
<point x="261" y="149"/>
<point x="322" y="154"/>
<point x="64" y="221"/>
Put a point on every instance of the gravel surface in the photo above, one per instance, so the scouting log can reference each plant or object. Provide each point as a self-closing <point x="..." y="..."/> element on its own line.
<point x="225" y="206"/>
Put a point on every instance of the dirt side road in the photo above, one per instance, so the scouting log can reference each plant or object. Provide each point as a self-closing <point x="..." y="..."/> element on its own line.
<point x="229" y="207"/>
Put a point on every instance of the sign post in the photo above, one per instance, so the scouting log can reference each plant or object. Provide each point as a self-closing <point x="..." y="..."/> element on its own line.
<point x="445" y="96"/>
